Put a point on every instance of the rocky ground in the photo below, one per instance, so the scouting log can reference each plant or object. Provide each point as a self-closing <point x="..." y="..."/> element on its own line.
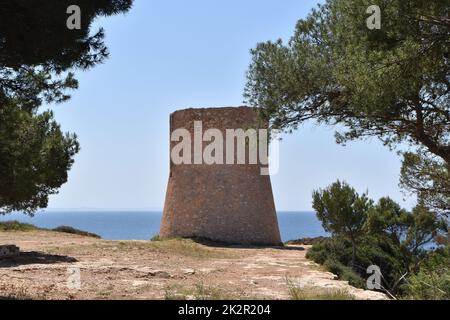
<point x="174" y="269"/>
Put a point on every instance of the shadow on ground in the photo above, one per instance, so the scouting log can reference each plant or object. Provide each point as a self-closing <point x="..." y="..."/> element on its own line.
<point x="27" y="258"/>
<point x="215" y="244"/>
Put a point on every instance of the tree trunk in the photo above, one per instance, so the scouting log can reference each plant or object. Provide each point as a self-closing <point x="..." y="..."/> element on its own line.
<point x="353" y="254"/>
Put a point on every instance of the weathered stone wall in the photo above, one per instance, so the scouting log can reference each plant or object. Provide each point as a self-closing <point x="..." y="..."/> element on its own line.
<point x="227" y="203"/>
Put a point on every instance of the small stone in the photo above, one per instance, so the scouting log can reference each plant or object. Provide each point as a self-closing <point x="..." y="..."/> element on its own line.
<point x="189" y="271"/>
<point x="160" y="274"/>
<point x="9" y="251"/>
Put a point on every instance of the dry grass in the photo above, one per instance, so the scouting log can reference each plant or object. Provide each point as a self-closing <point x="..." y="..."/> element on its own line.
<point x="199" y="291"/>
<point x="178" y="247"/>
<point x="311" y="293"/>
<point x="22" y="292"/>
<point x="182" y="247"/>
<point x="318" y="294"/>
<point x="189" y="248"/>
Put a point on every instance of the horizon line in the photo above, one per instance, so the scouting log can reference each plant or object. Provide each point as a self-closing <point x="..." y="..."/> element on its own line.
<point x="151" y="209"/>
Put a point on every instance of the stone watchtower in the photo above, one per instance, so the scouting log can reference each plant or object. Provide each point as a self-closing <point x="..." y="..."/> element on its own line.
<point x="221" y="202"/>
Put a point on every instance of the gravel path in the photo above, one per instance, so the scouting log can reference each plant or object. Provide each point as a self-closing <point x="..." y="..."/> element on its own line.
<point x="51" y="264"/>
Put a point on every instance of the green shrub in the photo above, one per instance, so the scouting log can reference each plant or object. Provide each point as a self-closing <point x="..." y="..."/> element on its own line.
<point x="344" y="273"/>
<point x="16" y="226"/>
<point x="432" y="281"/>
<point x="366" y="234"/>
<point x="156" y="238"/>
<point x="336" y="255"/>
<point x="70" y="230"/>
<point x="26" y="227"/>
<point x="335" y="248"/>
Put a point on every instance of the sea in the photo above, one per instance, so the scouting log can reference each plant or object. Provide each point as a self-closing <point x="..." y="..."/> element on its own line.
<point x="143" y="225"/>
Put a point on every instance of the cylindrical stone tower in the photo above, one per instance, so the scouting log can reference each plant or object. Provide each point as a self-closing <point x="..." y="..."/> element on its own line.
<point x="230" y="203"/>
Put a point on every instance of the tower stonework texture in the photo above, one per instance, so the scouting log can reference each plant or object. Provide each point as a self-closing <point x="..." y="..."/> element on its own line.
<point x="230" y="203"/>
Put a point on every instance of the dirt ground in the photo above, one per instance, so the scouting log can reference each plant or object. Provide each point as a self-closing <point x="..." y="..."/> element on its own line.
<point x="62" y="266"/>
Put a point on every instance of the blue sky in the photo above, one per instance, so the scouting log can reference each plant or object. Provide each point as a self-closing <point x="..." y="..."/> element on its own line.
<point x="169" y="55"/>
